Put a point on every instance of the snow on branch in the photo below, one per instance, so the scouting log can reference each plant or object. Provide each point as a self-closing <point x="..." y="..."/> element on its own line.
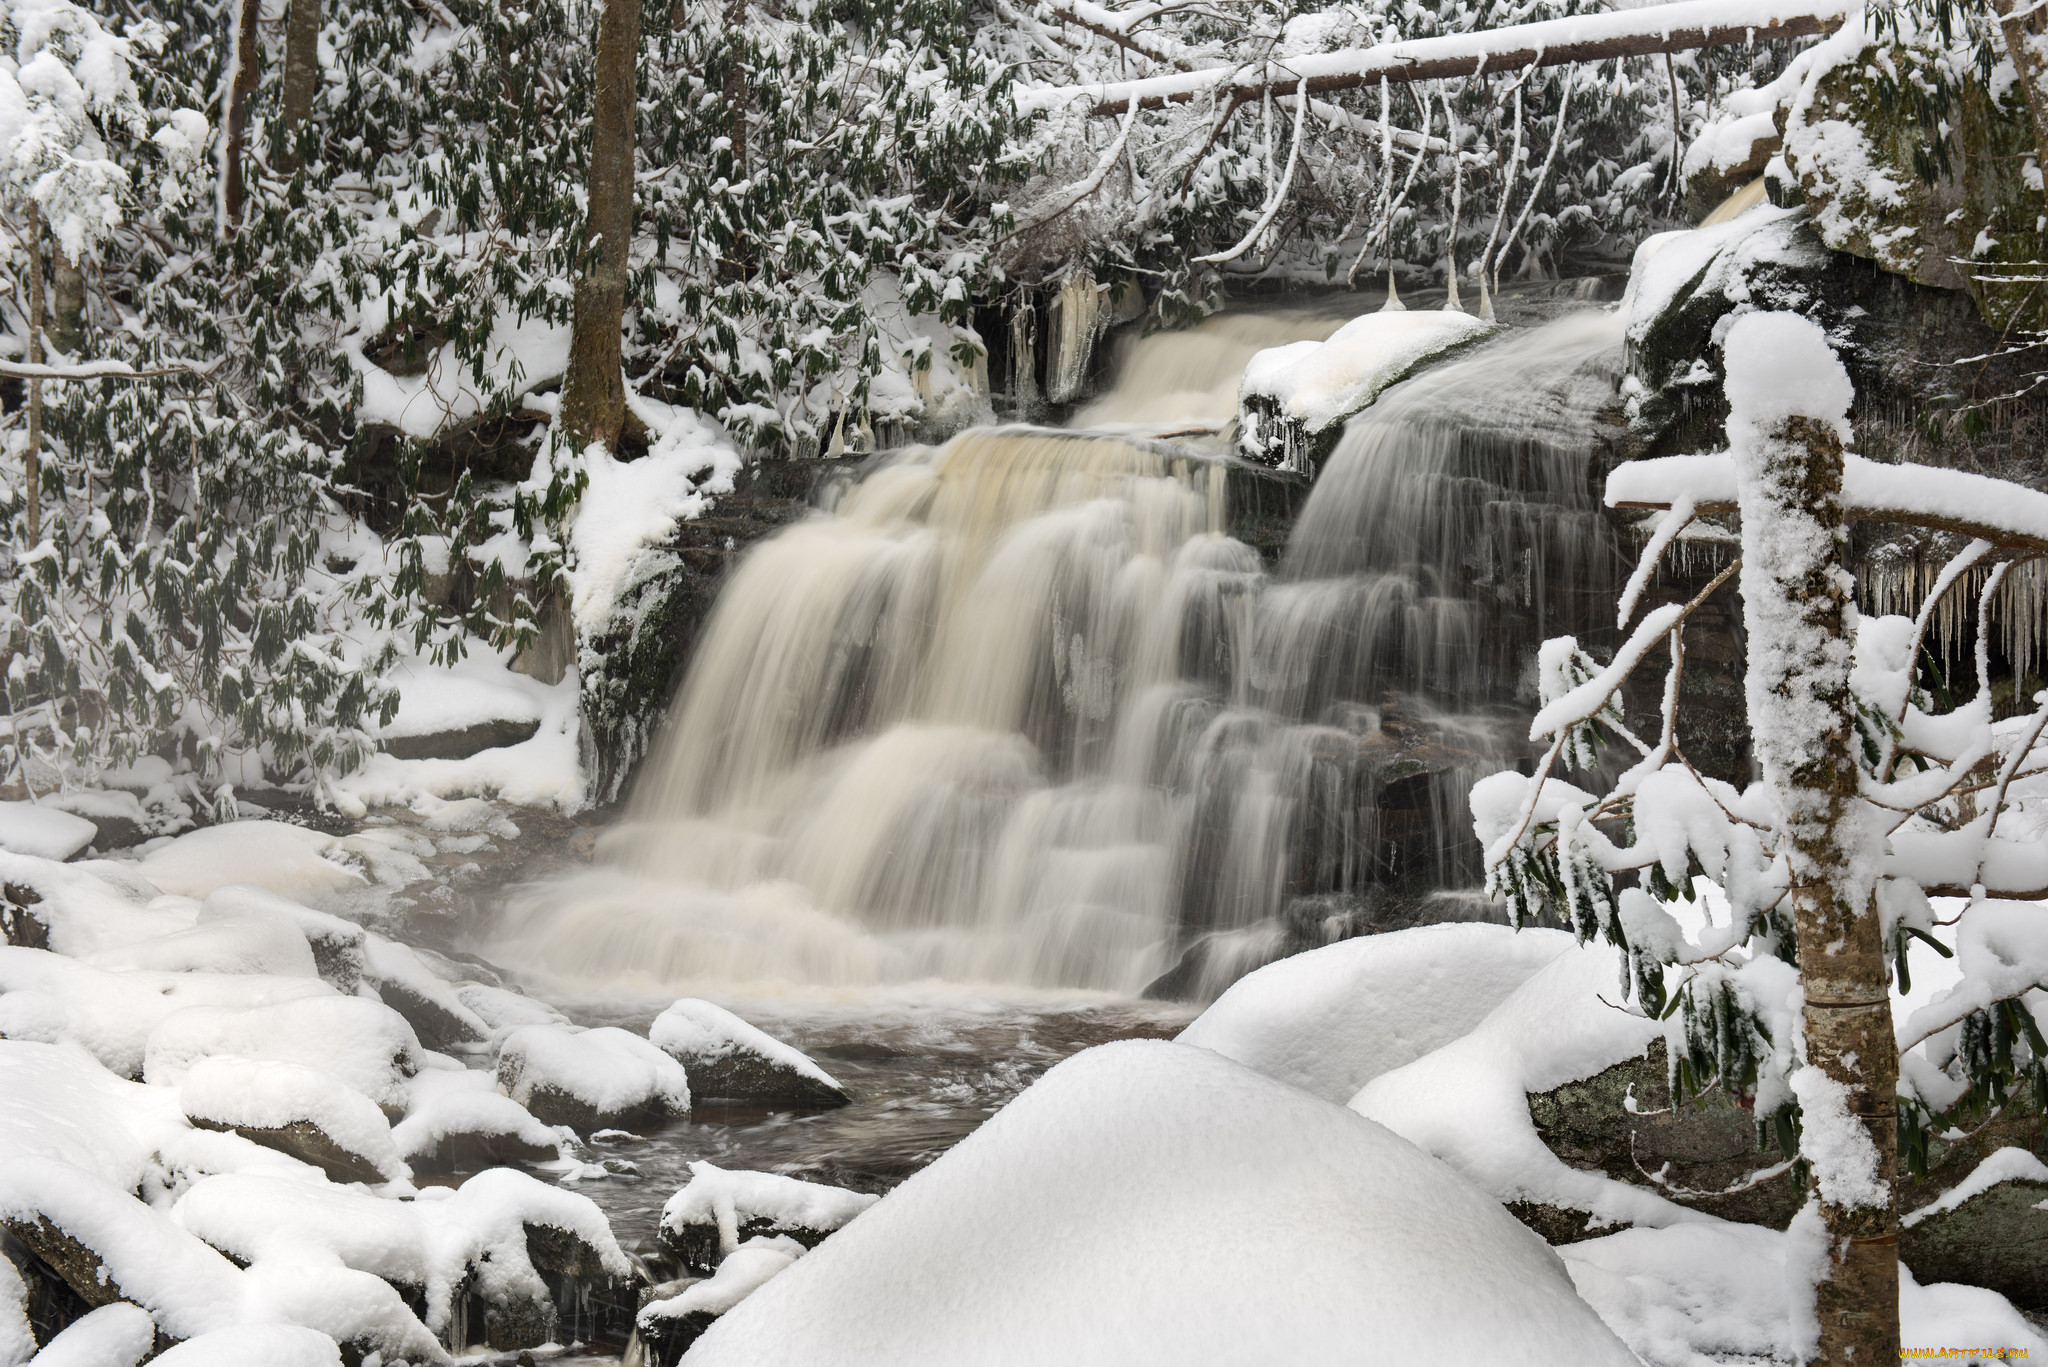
<point x="92" y="370"/>
<point x="1552" y="42"/>
<point x="1992" y="510"/>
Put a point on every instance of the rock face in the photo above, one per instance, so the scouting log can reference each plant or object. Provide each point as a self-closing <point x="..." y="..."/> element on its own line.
<point x="464" y="741"/>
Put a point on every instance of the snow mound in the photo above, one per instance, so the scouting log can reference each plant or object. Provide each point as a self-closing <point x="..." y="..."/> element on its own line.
<point x="360" y="1042"/>
<point x="50" y="998"/>
<point x="1331" y="1020"/>
<point x="1709" y="1293"/>
<point x="255" y="1345"/>
<point x="235" y="936"/>
<point x="28" y="828"/>
<point x="725" y="1056"/>
<point x="244" y="1094"/>
<point x="289" y="860"/>
<point x="117" y="1335"/>
<point x="1151" y="1202"/>
<point x="1318" y="384"/>
<point x="1468" y="1102"/>
<point x="583" y="1077"/>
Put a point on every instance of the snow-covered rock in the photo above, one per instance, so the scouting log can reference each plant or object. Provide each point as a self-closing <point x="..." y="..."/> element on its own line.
<point x="337" y="945"/>
<point x="289" y="860"/>
<point x="458" y="1118"/>
<point x="1468" y="1102"/>
<point x="117" y="1335"/>
<point x="232" y="936"/>
<point x="426" y="1000"/>
<point x="502" y="1011"/>
<point x="726" y="1057"/>
<point x="255" y="1345"/>
<point x="718" y="1209"/>
<point x="1294" y="398"/>
<point x="360" y="1042"/>
<point x="670" y="1324"/>
<point x="1152" y="1202"/>
<point x="47" y="833"/>
<point x="587" y="1078"/>
<point x="48" y="997"/>
<point x="1334" y="1018"/>
<point x="308" y="1114"/>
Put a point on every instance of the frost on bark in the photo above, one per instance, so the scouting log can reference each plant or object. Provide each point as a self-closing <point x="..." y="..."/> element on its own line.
<point x="594" y="390"/>
<point x="301" y="83"/>
<point x="1797" y="607"/>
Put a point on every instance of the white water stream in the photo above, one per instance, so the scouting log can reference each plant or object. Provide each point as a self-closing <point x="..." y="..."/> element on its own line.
<point x="1019" y="711"/>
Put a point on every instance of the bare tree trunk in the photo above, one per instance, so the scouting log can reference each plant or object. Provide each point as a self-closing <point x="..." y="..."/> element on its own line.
<point x="1795" y="497"/>
<point x="247" y="59"/>
<point x="67" y="304"/>
<point x="594" y="390"/>
<point x="301" y="83"/>
<point x="33" y="468"/>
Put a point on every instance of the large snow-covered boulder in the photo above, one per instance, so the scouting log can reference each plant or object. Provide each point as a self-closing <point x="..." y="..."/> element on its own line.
<point x="31" y="828"/>
<point x="117" y="1335"/>
<point x="429" y="1004"/>
<point x="587" y="1078"/>
<point x="726" y="1057"/>
<point x="456" y="1117"/>
<point x="297" y="1110"/>
<point x="361" y="1042"/>
<point x="231" y="936"/>
<point x="1334" y="1018"/>
<point x="1152" y="1202"/>
<point x="717" y="1209"/>
<point x="289" y="860"/>
<point x="255" y="1345"/>
<point x="337" y="945"/>
<point x="1294" y="399"/>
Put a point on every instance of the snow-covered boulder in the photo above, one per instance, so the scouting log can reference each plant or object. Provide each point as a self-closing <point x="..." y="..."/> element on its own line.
<point x="117" y="1335"/>
<point x="535" y="1247"/>
<point x="228" y="937"/>
<point x="1334" y="1018"/>
<point x="308" y="1114"/>
<point x="458" y="1118"/>
<point x="588" y="1078"/>
<point x="1153" y="1202"/>
<point x="48" y="997"/>
<point x="1990" y="1229"/>
<point x="255" y="1345"/>
<point x="429" y="1004"/>
<point x="668" y="1325"/>
<point x="728" y="1058"/>
<point x="502" y="1010"/>
<point x="31" y="828"/>
<point x="1294" y="399"/>
<point x="718" y="1209"/>
<point x="361" y="1042"/>
<point x="289" y="860"/>
<point x="338" y="946"/>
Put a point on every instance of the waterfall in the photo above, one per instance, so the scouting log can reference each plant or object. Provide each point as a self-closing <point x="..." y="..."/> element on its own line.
<point x="1020" y="709"/>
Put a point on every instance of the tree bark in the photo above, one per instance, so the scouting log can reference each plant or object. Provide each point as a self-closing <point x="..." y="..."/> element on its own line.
<point x="32" y="468"/>
<point x="1804" y="602"/>
<point x="2020" y="29"/>
<point x="301" y="83"/>
<point x="67" y="304"/>
<point x="594" y="390"/>
<point x="248" y="66"/>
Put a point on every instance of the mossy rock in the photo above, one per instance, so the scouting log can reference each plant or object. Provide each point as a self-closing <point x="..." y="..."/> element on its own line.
<point x="1869" y="166"/>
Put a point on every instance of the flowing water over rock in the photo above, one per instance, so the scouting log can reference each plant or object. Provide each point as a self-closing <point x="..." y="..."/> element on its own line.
<point x="1019" y="710"/>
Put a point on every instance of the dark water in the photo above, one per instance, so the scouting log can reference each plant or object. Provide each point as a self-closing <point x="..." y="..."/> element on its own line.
<point x="923" y="1072"/>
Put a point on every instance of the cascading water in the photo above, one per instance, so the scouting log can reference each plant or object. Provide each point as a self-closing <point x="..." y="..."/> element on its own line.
<point x="1019" y="710"/>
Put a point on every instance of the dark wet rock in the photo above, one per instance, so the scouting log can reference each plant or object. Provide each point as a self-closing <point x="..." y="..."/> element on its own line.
<point x="1998" y="1238"/>
<point x="727" y="1058"/>
<point x="462" y="742"/>
<point x="23" y="923"/>
<point x="307" y="1142"/>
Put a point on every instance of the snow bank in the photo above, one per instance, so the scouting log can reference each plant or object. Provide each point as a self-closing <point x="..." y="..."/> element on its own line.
<point x="117" y="1335"/>
<point x="725" y="1056"/>
<point x="1712" y="1292"/>
<point x="289" y="860"/>
<point x="28" y="828"/>
<point x="1331" y="1020"/>
<point x="582" y="1077"/>
<point x="1321" y="383"/>
<point x="1467" y="1102"/>
<point x="245" y="1094"/>
<point x="1151" y="1202"/>
<point x="360" y="1042"/>
<point x="255" y="1345"/>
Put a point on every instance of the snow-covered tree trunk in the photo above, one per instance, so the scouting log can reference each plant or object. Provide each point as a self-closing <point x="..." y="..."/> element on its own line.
<point x="244" y="68"/>
<point x="32" y="465"/>
<point x="594" y="390"/>
<point x="1788" y="398"/>
<point x="301" y="83"/>
<point x="2021" y="26"/>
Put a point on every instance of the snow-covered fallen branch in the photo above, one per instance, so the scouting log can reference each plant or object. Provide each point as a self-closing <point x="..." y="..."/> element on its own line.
<point x="1553" y="42"/>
